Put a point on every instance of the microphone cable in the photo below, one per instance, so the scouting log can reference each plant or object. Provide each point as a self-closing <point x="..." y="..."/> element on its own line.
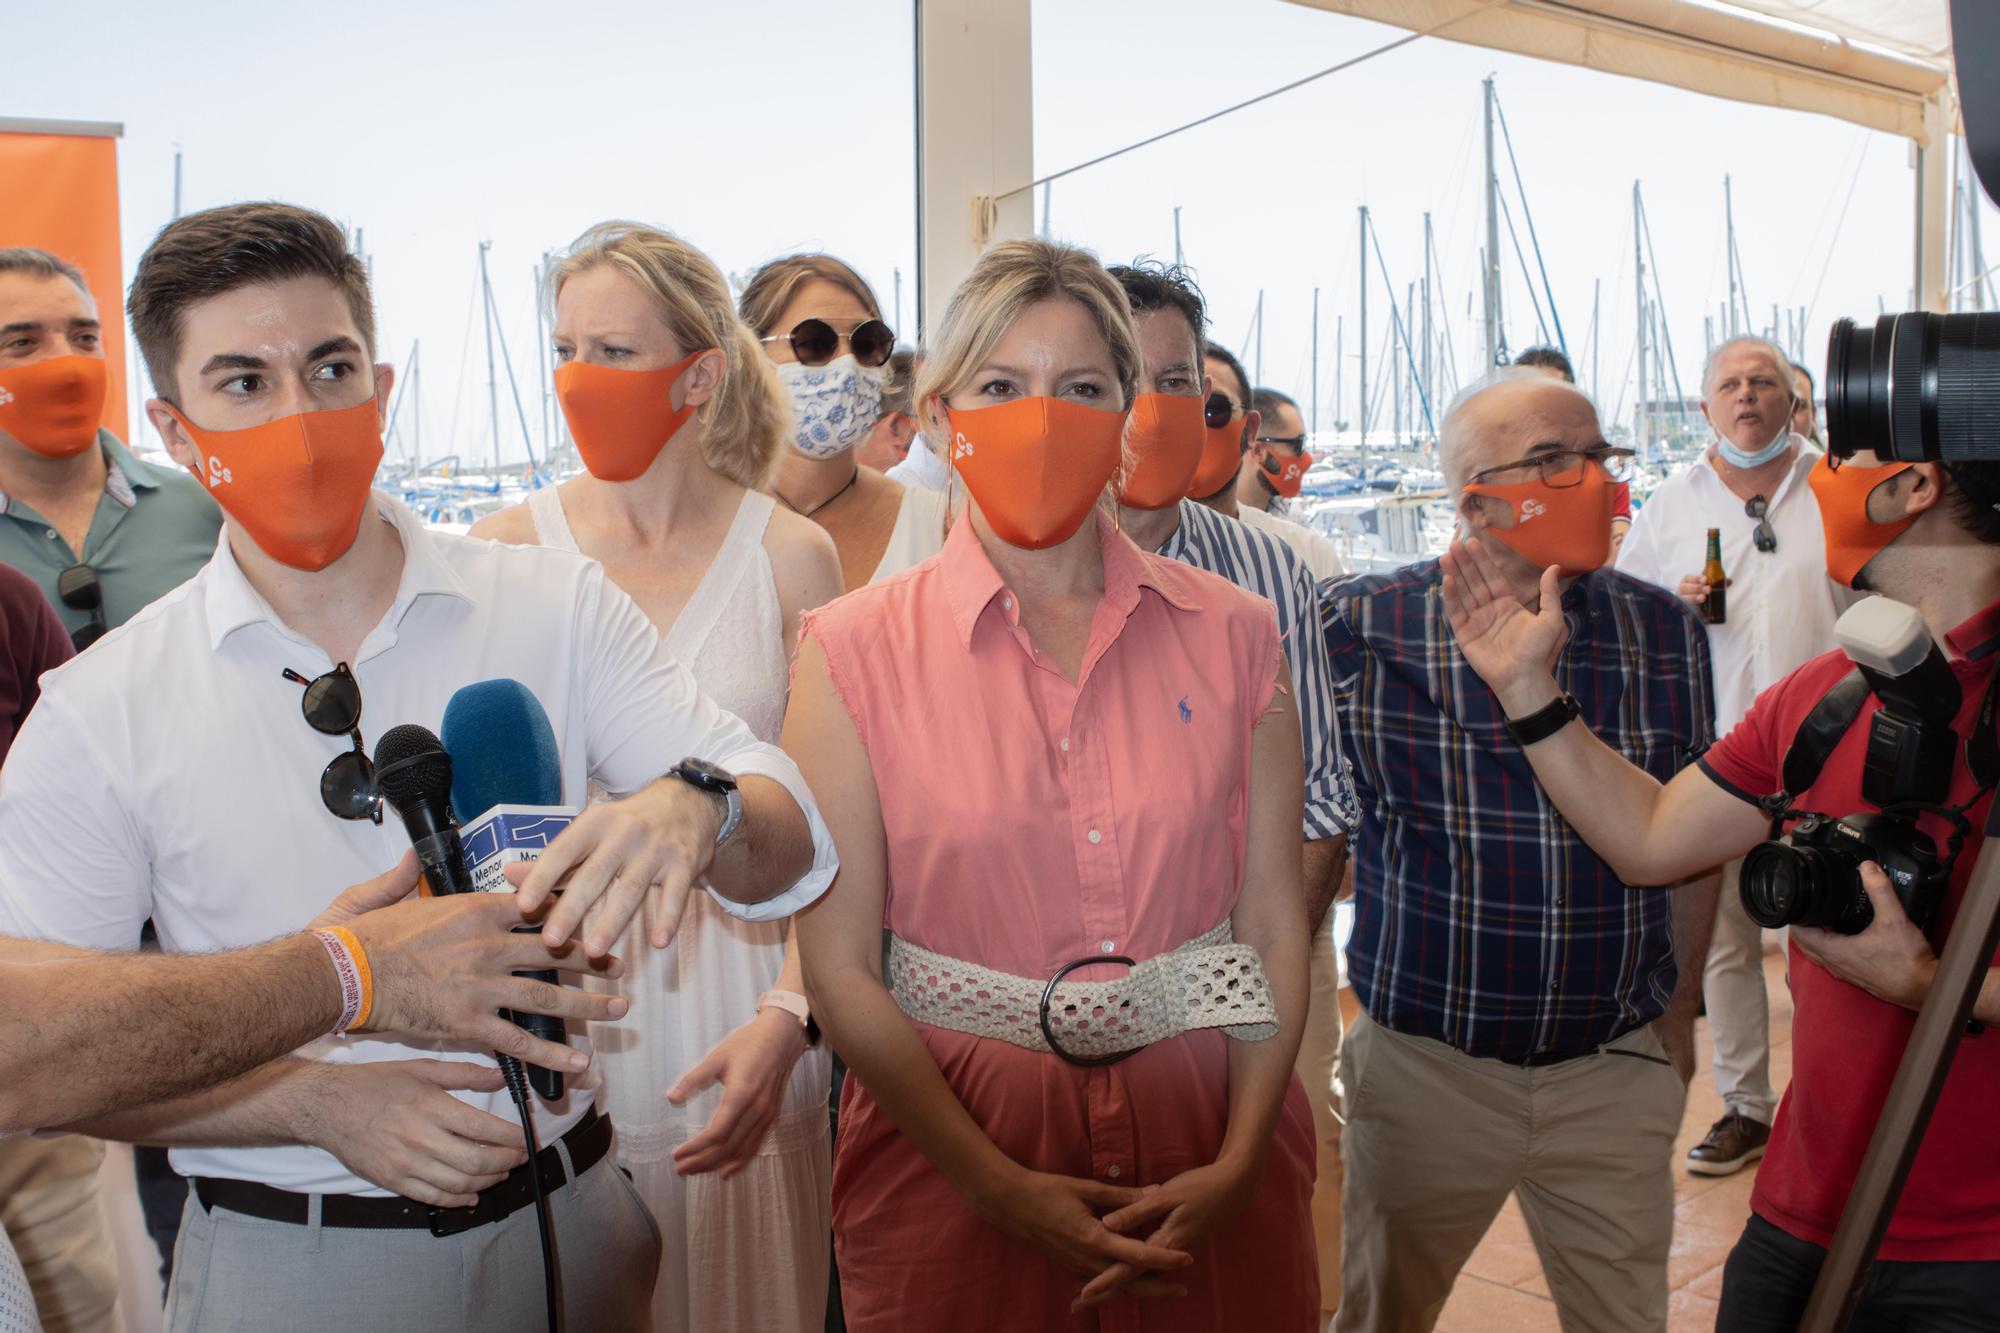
<point x="517" y="1088"/>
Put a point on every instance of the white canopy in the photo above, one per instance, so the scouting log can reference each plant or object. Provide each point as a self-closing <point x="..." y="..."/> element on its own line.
<point x="1874" y="62"/>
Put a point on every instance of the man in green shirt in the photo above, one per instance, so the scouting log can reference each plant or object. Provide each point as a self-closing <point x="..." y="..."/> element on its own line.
<point x="101" y="531"/>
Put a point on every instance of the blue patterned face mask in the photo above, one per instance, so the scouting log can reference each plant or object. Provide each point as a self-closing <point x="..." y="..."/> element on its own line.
<point x="833" y="405"/>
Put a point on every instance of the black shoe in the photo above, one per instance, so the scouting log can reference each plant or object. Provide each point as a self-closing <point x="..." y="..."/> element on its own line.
<point x="1733" y="1143"/>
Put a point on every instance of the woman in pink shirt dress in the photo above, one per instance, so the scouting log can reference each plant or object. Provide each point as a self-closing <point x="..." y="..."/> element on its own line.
<point x="1040" y="750"/>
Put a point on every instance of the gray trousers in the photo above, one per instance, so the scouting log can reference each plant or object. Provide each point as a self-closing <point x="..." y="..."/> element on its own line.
<point x="238" y="1274"/>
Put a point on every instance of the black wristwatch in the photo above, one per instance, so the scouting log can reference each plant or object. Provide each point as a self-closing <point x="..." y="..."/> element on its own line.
<point x="717" y="782"/>
<point x="1545" y="722"/>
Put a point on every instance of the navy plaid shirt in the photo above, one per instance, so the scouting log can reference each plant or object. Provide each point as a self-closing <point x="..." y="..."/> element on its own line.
<point x="1481" y="919"/>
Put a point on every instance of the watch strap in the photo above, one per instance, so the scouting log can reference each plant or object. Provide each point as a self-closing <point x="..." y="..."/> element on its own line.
<point x="794" y="1004"/>
<point x="1546" y="721"/>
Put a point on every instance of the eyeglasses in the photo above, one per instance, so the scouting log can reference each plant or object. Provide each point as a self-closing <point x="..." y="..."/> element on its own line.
<point x="1217" y="411"/>
<point x="332" y="706"/>
<point x="80" y="591"/>
<point x="1564" y="467"/>
<point x="1758" y="508"/>
<point x="814" y="342"/>
<point x="1296" y="443"/>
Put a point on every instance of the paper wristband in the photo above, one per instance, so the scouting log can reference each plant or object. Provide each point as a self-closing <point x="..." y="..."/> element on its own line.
<point x="357" y="981"/>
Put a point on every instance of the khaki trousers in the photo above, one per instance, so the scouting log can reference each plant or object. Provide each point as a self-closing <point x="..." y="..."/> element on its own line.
<point x="1739" y="1010"/>
<point x="1319" y="1053"/>
<point x="1435" y="1142"/>
<point x="49" y="1205"/>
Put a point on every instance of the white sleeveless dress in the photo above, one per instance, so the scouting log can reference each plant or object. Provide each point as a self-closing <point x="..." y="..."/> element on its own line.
<point x="750" y="1252"/>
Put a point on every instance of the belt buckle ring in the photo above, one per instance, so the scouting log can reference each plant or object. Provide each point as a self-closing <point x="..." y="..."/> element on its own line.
<point x="1048" y="1032"/>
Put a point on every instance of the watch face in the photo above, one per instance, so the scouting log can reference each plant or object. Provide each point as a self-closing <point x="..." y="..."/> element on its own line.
<point x="705" y="775"/>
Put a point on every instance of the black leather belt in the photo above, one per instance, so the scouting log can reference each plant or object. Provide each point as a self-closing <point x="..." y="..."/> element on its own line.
<point x="587" y="1142"/>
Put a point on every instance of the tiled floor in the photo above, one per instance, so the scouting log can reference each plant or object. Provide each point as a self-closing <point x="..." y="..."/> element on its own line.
<point x="1502" y="1289"/>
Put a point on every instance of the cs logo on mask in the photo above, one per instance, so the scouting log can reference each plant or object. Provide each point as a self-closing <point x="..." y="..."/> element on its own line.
<point x="1532" y="509"/>
<point x="5" y="397"/>
<point x="961" y="447"/>
<point x="217" y="474"/>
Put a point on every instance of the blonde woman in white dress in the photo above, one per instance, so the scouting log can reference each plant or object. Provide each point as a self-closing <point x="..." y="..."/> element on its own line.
<point x="719" y="1102"/>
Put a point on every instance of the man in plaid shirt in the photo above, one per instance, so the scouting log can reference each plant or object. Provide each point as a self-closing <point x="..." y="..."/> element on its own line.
<point x="1529" y="1017"/>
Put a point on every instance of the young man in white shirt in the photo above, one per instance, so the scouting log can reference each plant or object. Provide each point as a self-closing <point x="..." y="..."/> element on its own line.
<point x="1781" y="607"/>
<point x="167" y="773"/>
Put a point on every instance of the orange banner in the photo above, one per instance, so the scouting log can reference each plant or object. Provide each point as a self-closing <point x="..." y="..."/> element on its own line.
<point x="59" y="192"/>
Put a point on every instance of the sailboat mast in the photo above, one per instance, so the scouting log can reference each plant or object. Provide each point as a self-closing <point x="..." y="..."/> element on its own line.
<point x="1495" y="340"/>
<point x="1177" y="235"/>
<point x="1339" y="365"/>
<point x="1596" y="333"/>
<point x="1259" y="373"/>
<point x="492" y="375"/>
<point x="1639" y="437"/>
<point x="1314" y="426"/>
<point x="1364" y="328"/>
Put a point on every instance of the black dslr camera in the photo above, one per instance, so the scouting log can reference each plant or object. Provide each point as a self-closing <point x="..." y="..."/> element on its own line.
<point x="1812" y="875"/>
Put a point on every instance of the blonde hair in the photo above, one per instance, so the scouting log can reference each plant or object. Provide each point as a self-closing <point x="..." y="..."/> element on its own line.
<point x="771" y="287"/>
<point x="1007" y="280"/>
<point x="747" y="422"/>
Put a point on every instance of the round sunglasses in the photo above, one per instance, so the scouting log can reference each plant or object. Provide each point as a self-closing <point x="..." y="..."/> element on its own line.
<point x="332" y="706"/>
<point x="1217" y="411"/>
<point x="815" y="342"/>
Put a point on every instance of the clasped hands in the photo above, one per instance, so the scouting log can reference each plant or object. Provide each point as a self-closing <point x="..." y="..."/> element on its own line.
<point x="1095" y="1229"/>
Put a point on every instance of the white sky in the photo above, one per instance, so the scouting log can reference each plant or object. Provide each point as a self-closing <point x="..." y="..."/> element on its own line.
<point x="764" y="126"/>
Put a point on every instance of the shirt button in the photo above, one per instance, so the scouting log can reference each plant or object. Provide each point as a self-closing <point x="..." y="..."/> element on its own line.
<point x="1555" y="986"/>
<point x="1095" y="837"/>
<point x="1107" y="946"/>
<point x="1065" y="745"/>
<point x="1112" y="1170"/>
<point x="50" y="534"/>
<point x="1006" y="603"/>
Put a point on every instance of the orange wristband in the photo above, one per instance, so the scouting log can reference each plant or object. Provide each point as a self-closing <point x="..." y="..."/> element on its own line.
<point x="357" y="979"/>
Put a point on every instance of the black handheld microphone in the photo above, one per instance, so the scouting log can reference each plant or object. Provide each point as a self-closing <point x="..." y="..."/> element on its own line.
<point x="413" y="773"/>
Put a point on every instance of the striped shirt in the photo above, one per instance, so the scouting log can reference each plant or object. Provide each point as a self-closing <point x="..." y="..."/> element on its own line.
<point x="1481" y="919"/>
<point x="1258" y="562"/>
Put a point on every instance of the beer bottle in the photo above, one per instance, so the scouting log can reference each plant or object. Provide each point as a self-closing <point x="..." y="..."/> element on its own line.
<point x="1716" y="609"/>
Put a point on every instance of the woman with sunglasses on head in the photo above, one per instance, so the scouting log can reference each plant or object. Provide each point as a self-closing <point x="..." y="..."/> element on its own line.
<point x="822" y="327"/>
<point x="1057" y="767"/>
<point x="679" y="419"/>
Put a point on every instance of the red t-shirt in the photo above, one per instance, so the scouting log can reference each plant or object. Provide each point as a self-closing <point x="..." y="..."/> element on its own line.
<point x="1845" y="1042"/>
<point x="1621" y="500"/>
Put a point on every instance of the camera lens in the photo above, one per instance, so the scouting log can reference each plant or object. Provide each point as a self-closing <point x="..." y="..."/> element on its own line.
<point x="1916" y="387"/>
<point x="1783" y="884"/>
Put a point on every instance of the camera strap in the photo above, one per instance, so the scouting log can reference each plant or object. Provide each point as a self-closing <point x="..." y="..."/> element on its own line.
<point x="1813" y="745"/>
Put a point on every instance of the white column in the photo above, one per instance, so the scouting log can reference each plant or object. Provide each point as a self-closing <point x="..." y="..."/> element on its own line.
<point x="1933" y="212"/>
<point x="975" y="138"/>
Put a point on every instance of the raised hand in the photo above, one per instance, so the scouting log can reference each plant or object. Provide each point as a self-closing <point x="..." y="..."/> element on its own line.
<point x="1512" y="648"/>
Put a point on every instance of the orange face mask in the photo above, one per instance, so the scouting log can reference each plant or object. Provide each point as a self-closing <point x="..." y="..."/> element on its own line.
<point x="1853" y="538"/>
<point x="297" y="485"/>
<point x="621" y="418"/>
<point x="1221" y="455"/>
<point x="1285" y="473"/>
<point x="1166" y="438"/>
<point x="1565" y="526"/>
<point x="1036" y="465"/>
<point x="53" y="406"/>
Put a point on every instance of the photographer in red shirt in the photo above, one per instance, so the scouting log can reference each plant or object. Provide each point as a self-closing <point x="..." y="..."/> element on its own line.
<point x="1927" y="535"/>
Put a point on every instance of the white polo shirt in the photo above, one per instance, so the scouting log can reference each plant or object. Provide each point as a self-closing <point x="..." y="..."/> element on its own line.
<point x="168" y="772"/>
<point x="1315" y="549"/>
<point x="1782" y="603"/>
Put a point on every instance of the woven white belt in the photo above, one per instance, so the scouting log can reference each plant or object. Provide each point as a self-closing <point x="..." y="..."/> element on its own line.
<point x="1209" y="982"/>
